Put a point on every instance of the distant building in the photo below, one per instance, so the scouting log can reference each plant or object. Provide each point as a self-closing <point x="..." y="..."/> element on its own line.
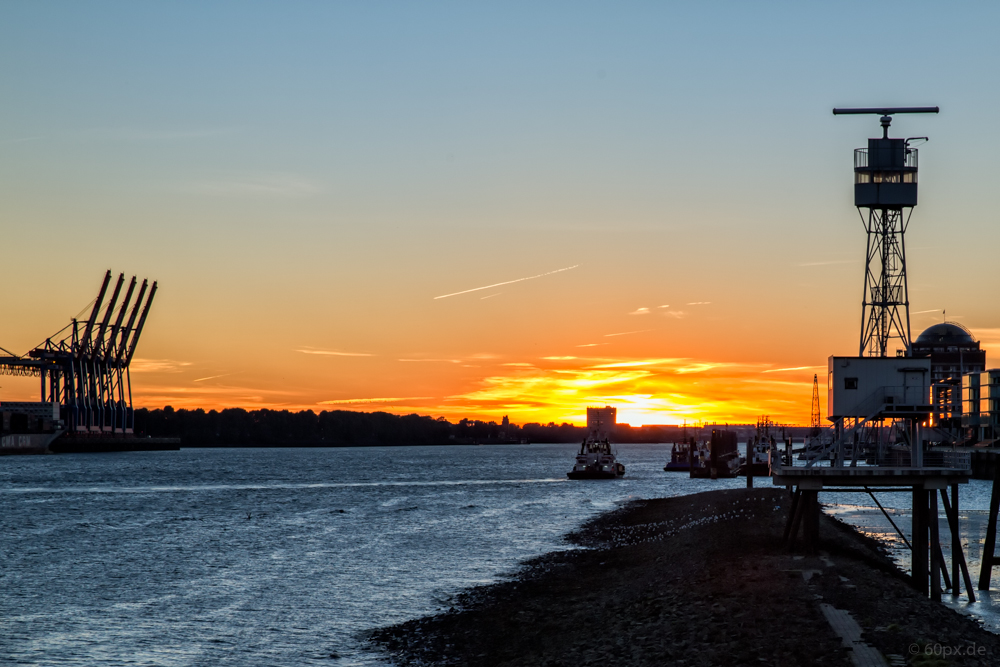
<point x="954" y="353"/>
<point x="981" y="405"/>
<point x="601" y="421"/>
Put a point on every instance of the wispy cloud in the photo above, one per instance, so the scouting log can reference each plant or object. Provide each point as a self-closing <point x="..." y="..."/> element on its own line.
<point x="490" y="296"/>
<point x="157" y="365"/>
<point x="332" y="353"/>
<point x="921" y="312"/>
<point x="507" y="282"/>
<point x="371" y="401"/>
<point x="268" y="185"/>
<point x="829" y="262"/>
<point x="791" y="368"/>
<point x="558" y="358"/>
<point x="445" y="361"/>
<point x="676" y="314"/>
<point x="591" y="344"/>
<point x="213" y="377"/>
<point x="18" y="140"/>
<point x="626" y="333"/>
<point x="155" y="134"/>
<point x="640" y="311"/>
<point x="699" y="303"/>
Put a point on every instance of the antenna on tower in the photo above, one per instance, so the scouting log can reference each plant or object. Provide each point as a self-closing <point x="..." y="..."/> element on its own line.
<point x="814" y="418"/>
<point x="885" y="183"/>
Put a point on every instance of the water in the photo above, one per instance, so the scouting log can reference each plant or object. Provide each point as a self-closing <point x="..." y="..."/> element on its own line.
<point x="276" y="556"/>
<point x="974" y="501"/>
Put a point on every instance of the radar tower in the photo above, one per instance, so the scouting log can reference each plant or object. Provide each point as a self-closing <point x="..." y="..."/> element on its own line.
<point x="885" y="183"/>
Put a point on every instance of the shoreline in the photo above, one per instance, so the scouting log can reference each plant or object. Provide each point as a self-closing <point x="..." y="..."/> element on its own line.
<point x="691" y="580"/>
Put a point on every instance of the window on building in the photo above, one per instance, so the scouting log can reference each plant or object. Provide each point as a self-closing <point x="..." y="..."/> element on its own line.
<point x="850" y="383"/>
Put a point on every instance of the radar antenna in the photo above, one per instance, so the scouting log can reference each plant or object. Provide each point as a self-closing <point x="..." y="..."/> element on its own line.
<point x="885" y="183"/>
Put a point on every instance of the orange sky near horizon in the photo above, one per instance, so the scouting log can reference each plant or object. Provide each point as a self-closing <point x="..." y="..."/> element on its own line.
<point x="485" y="209"/>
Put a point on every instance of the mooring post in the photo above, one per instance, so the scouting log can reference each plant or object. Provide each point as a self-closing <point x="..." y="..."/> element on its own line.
<point x="957" y="555"/>
<point x="810" y="518"/>
<point x="793" y="511"/>
<point x="932" y="520"/>
<point x="989" y="547"/>
<point x="956" y="543"/>
<point x="918" y="565"/>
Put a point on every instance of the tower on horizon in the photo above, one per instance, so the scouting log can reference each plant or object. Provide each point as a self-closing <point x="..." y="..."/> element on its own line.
<point x="885" y="183"/>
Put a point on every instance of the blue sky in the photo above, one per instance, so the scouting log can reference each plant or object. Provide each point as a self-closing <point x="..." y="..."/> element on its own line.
<point x="314" y="173"/>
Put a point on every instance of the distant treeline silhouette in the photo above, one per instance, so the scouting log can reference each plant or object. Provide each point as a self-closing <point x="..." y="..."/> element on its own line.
<point x="236" y="427"/>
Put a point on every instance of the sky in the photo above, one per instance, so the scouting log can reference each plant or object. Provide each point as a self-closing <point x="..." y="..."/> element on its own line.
<point x="487" y="209"/>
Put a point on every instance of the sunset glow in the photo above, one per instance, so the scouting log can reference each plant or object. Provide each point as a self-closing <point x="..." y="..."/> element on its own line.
<point x="481" y="212"/>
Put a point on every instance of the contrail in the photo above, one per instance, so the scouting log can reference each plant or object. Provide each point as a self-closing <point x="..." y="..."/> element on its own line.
<point x="476" y="289"/>
<point x="212" y="377"/>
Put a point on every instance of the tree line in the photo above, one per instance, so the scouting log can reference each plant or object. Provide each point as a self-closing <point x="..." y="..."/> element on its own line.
<point x="236" y="427"/>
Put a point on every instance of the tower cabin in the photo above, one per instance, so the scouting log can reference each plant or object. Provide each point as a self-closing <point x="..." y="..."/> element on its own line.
<point x="885" y="174"/>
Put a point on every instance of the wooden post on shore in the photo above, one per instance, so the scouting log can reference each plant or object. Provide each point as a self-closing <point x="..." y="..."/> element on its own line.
<point x="794" y="516"/>
<point x="932" y="520"/>
<point x="918" y="560"/>
<point x="989" y="548"/>
<point x="958" y="565"/>
<point x="810" y="520"/>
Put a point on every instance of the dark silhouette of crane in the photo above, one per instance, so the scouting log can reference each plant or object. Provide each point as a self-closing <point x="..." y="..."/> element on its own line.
<point x="86" y="371"/>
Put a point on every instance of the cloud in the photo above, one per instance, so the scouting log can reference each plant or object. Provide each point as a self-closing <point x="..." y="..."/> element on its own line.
<point x="508" y="282"/>
<point x="558" y="358"/>
<point x="157" y="365"/>
<point x="491" y="296"/>
<point x="699" y="303"/>
<point x="792" y="368"/>
<point x="830" y="262"/>
<point x="269" y="185"/>
<point x="332" y="353"/>
<point x="446" y="361"/>
<point x="372" y="401"/>
<point x="664" y="306"/>
<point x="640" y="311"/>
<point x="626" y="333"/>
<point x="518" y="363"/>
<point x="921" y="312"/>
<point x="212" y="377"/>
<point x="18" y="140"/>
<point x="676" y="314"/>
<point x="151" y="134"/>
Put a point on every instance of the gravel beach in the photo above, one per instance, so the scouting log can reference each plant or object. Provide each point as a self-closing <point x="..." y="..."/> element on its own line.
<point x="694" y="580"/>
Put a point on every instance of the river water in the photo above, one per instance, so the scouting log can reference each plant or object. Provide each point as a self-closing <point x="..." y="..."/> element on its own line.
<point x="286" y="556"/>
<point x="275" y="556"/>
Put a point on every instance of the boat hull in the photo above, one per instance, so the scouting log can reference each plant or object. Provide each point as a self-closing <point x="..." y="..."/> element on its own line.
<point x="593" y="474"/>
<point x="756" y="469"/>
<point x="677" y="467"/>
<point x="26" y="443"/>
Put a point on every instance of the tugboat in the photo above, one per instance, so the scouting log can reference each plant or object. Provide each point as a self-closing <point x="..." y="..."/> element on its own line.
<point x="719" y="459"/>
<point x="681" y="453"/>
<point x="680" y="456"/>
<point x="759" y="449"/>
<point x="596" y="460"/>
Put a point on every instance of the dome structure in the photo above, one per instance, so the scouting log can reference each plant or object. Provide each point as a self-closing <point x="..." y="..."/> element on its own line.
<point x="945" y="334"/>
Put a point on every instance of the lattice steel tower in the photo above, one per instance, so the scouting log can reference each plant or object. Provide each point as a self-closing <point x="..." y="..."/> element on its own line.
<point x="885" y="183"/>
<point x="814" y="419"/>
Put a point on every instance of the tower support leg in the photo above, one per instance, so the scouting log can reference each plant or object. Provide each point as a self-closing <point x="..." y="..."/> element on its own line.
<point x="989" y="547"/>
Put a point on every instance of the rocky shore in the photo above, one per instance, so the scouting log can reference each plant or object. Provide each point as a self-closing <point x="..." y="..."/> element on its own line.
<point x="695" y="580"/>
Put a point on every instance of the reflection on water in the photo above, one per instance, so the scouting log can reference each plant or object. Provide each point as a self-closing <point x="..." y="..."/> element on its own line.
<point x="858" y="510"/>
<point x="276" y="556"/>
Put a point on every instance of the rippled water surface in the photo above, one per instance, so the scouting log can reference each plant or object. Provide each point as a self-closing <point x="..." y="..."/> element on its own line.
<point x="275" y="556"/>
